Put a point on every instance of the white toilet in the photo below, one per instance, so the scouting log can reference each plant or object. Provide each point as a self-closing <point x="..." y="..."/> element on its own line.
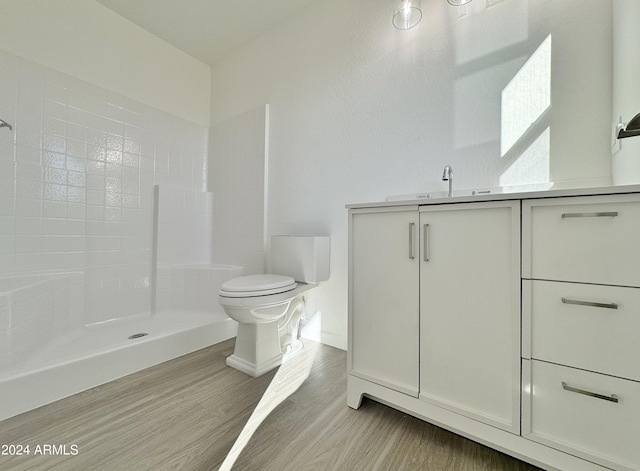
<point x="268" y="307"/>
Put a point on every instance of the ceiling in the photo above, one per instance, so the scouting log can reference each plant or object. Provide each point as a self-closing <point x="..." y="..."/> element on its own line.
<point x="206" y="29"/>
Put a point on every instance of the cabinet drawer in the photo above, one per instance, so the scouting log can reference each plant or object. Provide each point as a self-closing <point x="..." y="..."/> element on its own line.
<point x="593" y="327"/>
<point x="583" y="239"/>
<point x="559" y="411"/>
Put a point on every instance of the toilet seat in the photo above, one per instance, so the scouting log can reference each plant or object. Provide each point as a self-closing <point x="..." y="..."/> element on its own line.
<point x="256" y="285"/>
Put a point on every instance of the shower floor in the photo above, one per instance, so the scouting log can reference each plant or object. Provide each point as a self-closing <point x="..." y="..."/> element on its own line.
<point x="99" y="353"/>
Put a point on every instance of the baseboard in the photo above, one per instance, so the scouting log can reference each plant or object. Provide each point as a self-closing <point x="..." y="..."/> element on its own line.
<point x="334" y="340"/>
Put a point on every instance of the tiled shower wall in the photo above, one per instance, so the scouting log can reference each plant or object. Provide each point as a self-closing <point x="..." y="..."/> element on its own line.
<point x="76" y="182"/>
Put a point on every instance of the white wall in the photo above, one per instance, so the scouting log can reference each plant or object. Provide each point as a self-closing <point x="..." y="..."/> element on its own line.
<point x="237" y="179"/>
<point x="359" y="110"/>
<point x="83" y="39"/>
<point x="626" y="92"/>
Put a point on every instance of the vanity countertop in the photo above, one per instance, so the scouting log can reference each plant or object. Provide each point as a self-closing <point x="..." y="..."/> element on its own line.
<point x="468" y="198"/>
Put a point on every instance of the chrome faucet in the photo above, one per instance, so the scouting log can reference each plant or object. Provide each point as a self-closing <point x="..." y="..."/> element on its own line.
<point x="448" y="176"/>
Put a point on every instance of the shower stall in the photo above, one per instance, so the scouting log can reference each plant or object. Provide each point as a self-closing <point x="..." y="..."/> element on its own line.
<point x="105" y="237"/>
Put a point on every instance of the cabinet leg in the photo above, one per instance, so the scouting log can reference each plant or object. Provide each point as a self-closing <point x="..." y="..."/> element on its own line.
<point x="354" y="395"/>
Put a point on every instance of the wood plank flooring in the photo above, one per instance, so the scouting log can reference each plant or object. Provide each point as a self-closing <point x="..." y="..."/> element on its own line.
<point x="186" y="414"/>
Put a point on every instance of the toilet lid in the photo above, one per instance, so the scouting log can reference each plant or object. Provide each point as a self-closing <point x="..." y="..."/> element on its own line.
<point x="257" y="285"/>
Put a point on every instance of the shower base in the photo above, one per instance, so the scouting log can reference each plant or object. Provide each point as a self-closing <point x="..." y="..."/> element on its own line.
<point x="99" y="353"/>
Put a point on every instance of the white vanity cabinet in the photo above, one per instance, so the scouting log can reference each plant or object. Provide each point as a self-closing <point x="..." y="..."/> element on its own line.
<point x="383" y="297"/>
<point x="511" y="320"/>
<point x="435" y="305"/>
<point x="581" y="318"/>
<point x="470" y="310"/>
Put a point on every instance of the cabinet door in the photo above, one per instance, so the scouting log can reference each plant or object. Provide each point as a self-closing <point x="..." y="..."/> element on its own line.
<point x="470" y="310"/>
<point x="383" y="304"/>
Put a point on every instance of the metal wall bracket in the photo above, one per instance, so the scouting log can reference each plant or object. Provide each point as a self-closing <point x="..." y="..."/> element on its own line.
<point x="4" y="124"/>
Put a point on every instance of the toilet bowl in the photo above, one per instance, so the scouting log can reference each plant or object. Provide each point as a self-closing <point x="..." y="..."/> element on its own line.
<point x="268" y="307"/>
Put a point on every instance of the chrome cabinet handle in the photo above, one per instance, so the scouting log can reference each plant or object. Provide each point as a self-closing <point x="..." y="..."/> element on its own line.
<point x="425" y="231"/>
<point x="612" y="398"/>
<point x="609" y="214"/>
<point x="589" y="303"/>
<point x="411" y="226"/>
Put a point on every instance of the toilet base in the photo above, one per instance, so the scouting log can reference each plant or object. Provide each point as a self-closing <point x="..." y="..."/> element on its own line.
<point x="253" y="369"/>
<point x="257" y="349"/>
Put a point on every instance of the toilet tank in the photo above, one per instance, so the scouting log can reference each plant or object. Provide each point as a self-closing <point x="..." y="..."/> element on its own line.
<point x="305" y="258"/>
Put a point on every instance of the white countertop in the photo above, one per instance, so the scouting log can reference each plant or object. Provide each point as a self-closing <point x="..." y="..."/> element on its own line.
<point x="468" y="198"/>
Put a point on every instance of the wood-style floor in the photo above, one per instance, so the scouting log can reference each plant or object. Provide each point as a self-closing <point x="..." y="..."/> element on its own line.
<point x="186" y="414"/>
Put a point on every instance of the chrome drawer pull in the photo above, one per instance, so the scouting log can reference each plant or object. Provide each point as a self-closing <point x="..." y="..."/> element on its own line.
<point x="610" y="214"/>
<point x="411" y="225"/>
<point x="425" y="248"/>
<point x="589" y="303"/>
<point x="612" y="398"/>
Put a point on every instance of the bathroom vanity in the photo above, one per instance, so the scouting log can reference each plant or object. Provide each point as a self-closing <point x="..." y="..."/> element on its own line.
<point x="510" y="319"/>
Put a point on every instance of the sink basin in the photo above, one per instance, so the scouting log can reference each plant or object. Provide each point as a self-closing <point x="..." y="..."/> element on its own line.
<point x="418" y="196"/>
<point x="439" y="194"/>
<point x="470" y="193"/>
